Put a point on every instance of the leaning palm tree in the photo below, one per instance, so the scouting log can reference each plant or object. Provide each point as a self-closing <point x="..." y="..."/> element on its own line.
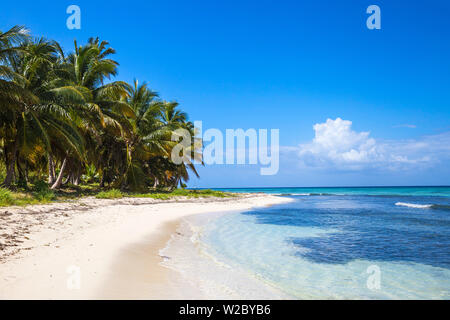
<point x="82" y="76"/>
<point x="45" y="120"/>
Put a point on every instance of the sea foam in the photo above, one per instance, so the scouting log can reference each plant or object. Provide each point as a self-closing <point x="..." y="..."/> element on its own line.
<point x="414" y="205"/>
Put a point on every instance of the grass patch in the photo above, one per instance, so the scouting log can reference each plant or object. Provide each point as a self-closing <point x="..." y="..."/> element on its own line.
<point x="110" y="194"/>
<point x="23" y="198"/>
<point x="183" y="193"/>
<point x="153" y="195"/>
<point x="202" y="193"/>
<point x="6" y="197"/>
<point x="40" y="193"/>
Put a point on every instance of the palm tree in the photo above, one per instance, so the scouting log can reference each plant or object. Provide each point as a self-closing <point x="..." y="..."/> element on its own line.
<point x="146" y="139"/>
<point x="11" y="96"/>
<point x="65" y="112"/>
<point x="142" y="136"/>
<point x="175" y="119"/>
<point x="45" y="119"/>
<point x="82" y="76"/>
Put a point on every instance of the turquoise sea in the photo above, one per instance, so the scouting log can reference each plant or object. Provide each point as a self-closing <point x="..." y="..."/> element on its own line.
<point x="443" y="191"/>
<point x="342" y="243"/>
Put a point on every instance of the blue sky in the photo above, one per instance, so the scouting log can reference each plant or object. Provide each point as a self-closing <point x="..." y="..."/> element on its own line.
<point x="287" y="65"/>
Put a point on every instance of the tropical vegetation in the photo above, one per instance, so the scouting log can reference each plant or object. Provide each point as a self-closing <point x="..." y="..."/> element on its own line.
<point x="65" y="121"/>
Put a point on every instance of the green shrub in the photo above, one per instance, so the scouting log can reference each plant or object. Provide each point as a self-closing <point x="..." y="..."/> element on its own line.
<point x="91" y="174"/>
<point x="40" y="186"/>
<point x="42" y="192"/>
<point x="110" y="194"/>
<point x="2" y="171"/>
<point x="180" y="192"/>
<point x="6" y="197"/>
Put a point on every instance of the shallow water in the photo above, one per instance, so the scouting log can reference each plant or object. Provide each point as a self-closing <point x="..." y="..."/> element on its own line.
<point x="213" y="276"/>
<point x="381" y="244"/>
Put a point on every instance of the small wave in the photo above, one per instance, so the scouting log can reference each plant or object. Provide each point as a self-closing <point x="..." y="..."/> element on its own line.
<point x="424" y="206"/>
<point x="414" y="205"/>
<point x="305" y="194"/>
<point x="295" y="194"/>
<point x="323" y="194"/>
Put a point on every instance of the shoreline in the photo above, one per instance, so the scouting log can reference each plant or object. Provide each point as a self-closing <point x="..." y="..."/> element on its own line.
<point x="109" y="247"/>
<point x="216" y="278"/>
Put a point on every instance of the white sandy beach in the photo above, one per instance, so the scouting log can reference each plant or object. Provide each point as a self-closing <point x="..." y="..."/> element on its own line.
<point x="115" y="245"/>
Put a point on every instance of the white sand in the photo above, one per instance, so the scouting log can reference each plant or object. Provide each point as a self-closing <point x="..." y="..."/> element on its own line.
<point x="114" y="245"/>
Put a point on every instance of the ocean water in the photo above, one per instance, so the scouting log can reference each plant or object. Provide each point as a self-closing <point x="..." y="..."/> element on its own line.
<point x="341" y="243"/>
<point x="367" y="191"/>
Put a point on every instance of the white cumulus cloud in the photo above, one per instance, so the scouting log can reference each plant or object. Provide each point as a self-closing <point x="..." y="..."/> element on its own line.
<point x="336" y="143"/>
<point x="337" y="146"/>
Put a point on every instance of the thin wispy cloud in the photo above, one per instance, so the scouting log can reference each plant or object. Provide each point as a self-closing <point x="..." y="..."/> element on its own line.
<point x="410" y="126"/>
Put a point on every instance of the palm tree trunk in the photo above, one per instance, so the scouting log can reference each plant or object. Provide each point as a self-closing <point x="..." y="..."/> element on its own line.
<point x="58" y="181"/>
<point x="9" y="174"/>
<point x="10" y="167"/>
<point x="156" y="183"/>
<point x="68" y="179"/>
<point x="51" y="170"/>
<point x="22" y="181"/>
<point x="26" y="173"/>
<point x="102" y="180"/>
<point x="76" y="177"/>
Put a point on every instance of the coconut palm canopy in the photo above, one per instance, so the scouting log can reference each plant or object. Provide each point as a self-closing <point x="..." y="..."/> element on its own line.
<point x="64" y="119"/>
